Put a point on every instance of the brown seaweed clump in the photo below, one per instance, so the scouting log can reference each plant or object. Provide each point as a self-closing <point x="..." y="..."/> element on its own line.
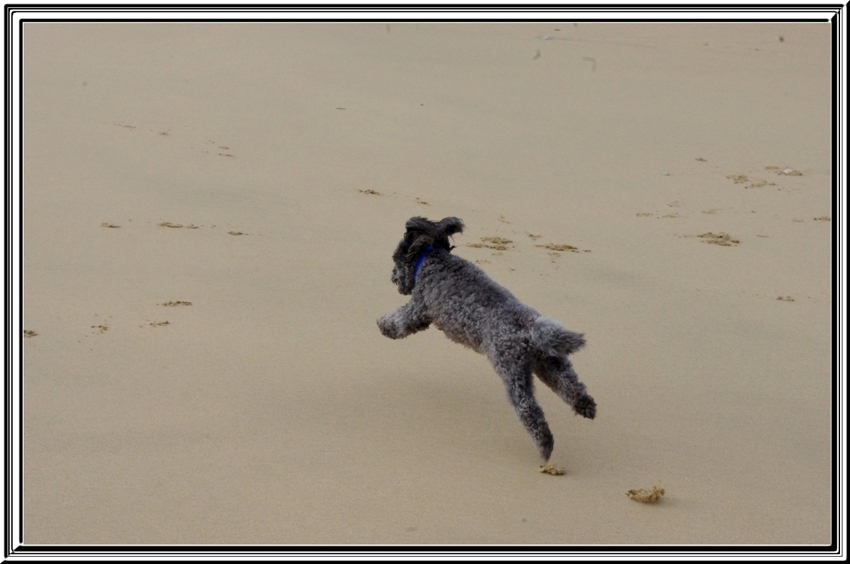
<point x="550" y="468"/>
<point x="646" y="496"/>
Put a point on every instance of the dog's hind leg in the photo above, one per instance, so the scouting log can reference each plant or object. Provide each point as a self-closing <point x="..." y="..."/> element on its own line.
<point x="557" y="373"/>
<point x="520" y="389"/>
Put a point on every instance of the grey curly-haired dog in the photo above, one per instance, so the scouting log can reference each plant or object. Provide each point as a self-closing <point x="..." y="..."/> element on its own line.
<point x="465" y="304"/>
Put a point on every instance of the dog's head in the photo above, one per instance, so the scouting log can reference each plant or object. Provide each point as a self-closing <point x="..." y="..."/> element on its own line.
<point x="419" y="235"/>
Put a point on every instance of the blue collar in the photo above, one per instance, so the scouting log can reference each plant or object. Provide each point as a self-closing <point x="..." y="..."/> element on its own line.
<point x="421" y="258"/>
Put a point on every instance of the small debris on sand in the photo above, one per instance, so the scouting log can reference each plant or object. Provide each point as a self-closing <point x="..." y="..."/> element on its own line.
<point x="174" y="304"/>
<point x="550" y="468"/>
<point x="646" y="496"/>
<point x="28" y="333"/>
<point x="722" y="239"/>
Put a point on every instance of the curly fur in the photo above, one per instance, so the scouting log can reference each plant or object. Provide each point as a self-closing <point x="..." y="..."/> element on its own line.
<point x="471" y="309"/>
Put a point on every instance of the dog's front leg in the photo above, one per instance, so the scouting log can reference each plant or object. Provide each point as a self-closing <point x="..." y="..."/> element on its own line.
<point x="404" y="321"/>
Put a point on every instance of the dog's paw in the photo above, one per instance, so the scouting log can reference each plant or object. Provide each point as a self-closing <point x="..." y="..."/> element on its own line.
<point x="545" y="441"/>
<point x="585" y="406"/>
<point x="387" y="328"/>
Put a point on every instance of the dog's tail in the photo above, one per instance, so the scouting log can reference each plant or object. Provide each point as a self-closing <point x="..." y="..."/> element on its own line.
<point x="551" y="339"/>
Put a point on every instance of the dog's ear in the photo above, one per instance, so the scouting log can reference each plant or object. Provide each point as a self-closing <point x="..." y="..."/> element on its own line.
<point x="418" y="245"/>
<point x="417" y="226"/>
<point x="444" y="229"/>
<point x="422" y="232"/>
<point x="448" y="226"/>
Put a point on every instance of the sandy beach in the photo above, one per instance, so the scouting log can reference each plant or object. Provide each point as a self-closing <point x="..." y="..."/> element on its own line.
<point x="209" y="216"/>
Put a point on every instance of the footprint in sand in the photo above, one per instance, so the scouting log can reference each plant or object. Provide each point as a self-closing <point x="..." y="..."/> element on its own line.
<point x="671" y="215"/>
<point x="720" y="238"/>
<point x="559" y="248"/>
<point x="495" y="243"/>
<point x="738" y="178"/>
<point x="176" y="225"/>
<point x="220" y="148"/>
<point x="749" y="183"/>
<point x="555" y="249"/>
<point x="759" y="184"/>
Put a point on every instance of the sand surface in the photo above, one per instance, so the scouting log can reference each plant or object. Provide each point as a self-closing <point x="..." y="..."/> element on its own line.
<point x="263" y="174"/>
